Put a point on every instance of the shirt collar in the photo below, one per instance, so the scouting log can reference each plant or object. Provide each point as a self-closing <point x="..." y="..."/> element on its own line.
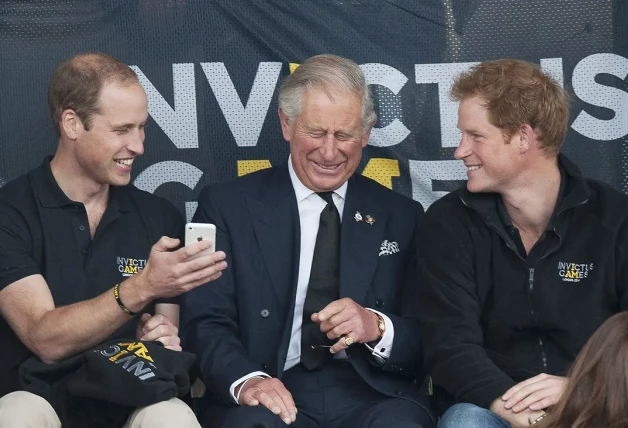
<point x="302" y="192"/>
<point x="50" y="195"/>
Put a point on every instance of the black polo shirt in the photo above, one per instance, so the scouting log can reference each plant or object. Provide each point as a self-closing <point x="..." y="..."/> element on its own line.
<point x="43" y="232"/>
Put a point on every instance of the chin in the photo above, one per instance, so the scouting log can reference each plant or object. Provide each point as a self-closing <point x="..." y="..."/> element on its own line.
<point x="477" y="187"/>
<point x="327" y="185"/>
<point x="120" y="181"/>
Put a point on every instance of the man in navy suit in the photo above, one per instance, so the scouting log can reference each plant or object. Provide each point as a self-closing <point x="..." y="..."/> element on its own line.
<point x="313" y="324"/>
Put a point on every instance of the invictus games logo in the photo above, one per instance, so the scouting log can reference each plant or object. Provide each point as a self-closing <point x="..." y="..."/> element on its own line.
<point x="129" y="267"/>
<point x="132" y="356"/>
<point x="574" y="272"/>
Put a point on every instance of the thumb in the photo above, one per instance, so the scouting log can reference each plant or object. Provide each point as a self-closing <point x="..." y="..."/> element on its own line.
<point x="165" y="244"/>
<point x="145" y="317"/>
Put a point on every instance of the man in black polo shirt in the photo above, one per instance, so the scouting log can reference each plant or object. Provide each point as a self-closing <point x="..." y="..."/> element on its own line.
<point x="82" y="251"/>
<point x="521" y="265"/>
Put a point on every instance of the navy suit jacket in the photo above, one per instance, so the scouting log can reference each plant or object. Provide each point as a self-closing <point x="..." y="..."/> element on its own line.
<point x="241" y="322"/>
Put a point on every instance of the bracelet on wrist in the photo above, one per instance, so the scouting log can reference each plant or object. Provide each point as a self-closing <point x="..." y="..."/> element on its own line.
<point x="116" y="294"/>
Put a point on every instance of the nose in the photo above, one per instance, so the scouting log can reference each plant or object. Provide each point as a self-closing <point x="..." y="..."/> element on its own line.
<point x="136" y="142"/>
<point x="463" y="150"/>
<point x="329" y="147"/>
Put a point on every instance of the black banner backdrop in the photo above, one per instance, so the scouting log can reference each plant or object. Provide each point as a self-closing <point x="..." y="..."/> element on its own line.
<point x="211" y="69"/>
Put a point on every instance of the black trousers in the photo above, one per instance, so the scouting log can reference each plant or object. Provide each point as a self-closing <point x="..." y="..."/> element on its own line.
<point x="329" y="397"/>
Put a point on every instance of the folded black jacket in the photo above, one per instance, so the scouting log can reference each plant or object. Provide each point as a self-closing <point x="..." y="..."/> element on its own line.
<point x="102" y="386"/>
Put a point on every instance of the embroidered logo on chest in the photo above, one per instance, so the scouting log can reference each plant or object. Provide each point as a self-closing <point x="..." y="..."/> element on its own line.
<point x="574" y="272"/>
<point x="129" y="267"/>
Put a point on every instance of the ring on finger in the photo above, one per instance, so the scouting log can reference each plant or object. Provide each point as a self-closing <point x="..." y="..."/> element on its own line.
<point x="349" y="341"/>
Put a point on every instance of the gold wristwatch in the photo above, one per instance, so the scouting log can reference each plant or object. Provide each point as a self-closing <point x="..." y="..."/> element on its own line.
<point x="381" y="325"/>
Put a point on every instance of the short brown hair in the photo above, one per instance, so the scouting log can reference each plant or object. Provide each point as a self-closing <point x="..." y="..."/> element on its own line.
<point x="518" y="92"/>
<point x="598" y="381"/>
<point x="76" y="85"/>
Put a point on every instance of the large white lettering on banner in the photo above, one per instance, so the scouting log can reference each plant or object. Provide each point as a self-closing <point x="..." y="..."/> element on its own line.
<point x="179" y="121"/>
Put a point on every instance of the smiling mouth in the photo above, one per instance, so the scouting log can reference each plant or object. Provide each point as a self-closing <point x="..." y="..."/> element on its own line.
<point x="474" y="167"/>
<point x="327" y="167"/>
<point x="124" y="162"/>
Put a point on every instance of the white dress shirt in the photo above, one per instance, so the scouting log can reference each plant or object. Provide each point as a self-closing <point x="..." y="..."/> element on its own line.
<point x="310" y="206"/>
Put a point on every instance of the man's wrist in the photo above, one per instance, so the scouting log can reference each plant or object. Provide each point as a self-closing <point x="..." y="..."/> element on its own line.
<point x="132" y="294"/>
<point x="239" y="388"/>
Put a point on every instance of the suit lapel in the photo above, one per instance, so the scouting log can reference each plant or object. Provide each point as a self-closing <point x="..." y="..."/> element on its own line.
<point x="360" y="242"/>
<point x="275" y="219"/>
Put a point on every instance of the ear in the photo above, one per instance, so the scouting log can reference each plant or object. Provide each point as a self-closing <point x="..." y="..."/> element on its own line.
<point x="71" y="124"/>
<point x="526" y="136"/>
<point x="365" y="137"/>
<point x="286" y="128"/>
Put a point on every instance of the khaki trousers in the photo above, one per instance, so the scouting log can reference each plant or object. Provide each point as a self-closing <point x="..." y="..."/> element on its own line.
<point x="22" y="409"/>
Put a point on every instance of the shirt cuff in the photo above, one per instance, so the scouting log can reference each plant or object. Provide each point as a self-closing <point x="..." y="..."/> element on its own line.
<point x="382" y="350"/>
<point x="243" y="379"/>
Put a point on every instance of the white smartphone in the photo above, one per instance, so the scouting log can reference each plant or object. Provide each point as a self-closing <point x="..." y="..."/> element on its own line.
<point x="197" y="232"/>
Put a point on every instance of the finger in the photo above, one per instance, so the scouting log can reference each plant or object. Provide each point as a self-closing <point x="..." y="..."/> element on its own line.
<point x="174" y="348"/>
<point x="165" y="243"/>
<point x="160" y="331"/>
<point x="191" y="250"/>
<point x="526" y="391"/>
<point x="169" y="340"/>
<point x="154" y="321"/>
<point x="523" y="384"/>
<point x="545" y="402"/>
<point x="284" y="413"/>
<point x="534" y="398"/>
<point x="203" y="276"/>
<point x="341" y="330"/>
<point x="204" y="261"/>
<point x="288" y="402"/>
<point x="340" y="344"/>
<point x="330" y="310"/>
<point x="266" y="401"/>
<point x="336" y="320"/>
<point x="248" y="398"/>
<point x="142" y="322"/>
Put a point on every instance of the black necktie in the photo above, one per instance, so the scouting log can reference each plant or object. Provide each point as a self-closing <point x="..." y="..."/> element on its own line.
<point x="323" y="286"/>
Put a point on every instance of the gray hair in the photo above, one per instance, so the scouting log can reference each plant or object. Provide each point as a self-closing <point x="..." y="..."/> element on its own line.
<point x="331" y="74"/>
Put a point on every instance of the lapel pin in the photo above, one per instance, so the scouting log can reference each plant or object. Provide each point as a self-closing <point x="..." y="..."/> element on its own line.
<point x="369" y="219"/>
<point x="357" y="216"/>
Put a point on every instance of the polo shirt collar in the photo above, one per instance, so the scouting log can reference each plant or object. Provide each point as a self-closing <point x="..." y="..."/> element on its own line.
<point x="50" y="194"/>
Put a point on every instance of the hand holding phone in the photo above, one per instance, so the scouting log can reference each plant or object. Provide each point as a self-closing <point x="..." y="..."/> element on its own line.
<point x="197" y="232"/>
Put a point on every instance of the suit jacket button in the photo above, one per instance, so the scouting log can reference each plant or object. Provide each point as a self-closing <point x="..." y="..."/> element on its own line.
<point x="265" y="313"/>
<point x="379" y="303"/>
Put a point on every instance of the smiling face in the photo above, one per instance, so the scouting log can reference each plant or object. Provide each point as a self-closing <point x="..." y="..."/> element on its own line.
<point x="491" y="162"/>
<point x="106" y="152"/>
<point x="326" y="139"/>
